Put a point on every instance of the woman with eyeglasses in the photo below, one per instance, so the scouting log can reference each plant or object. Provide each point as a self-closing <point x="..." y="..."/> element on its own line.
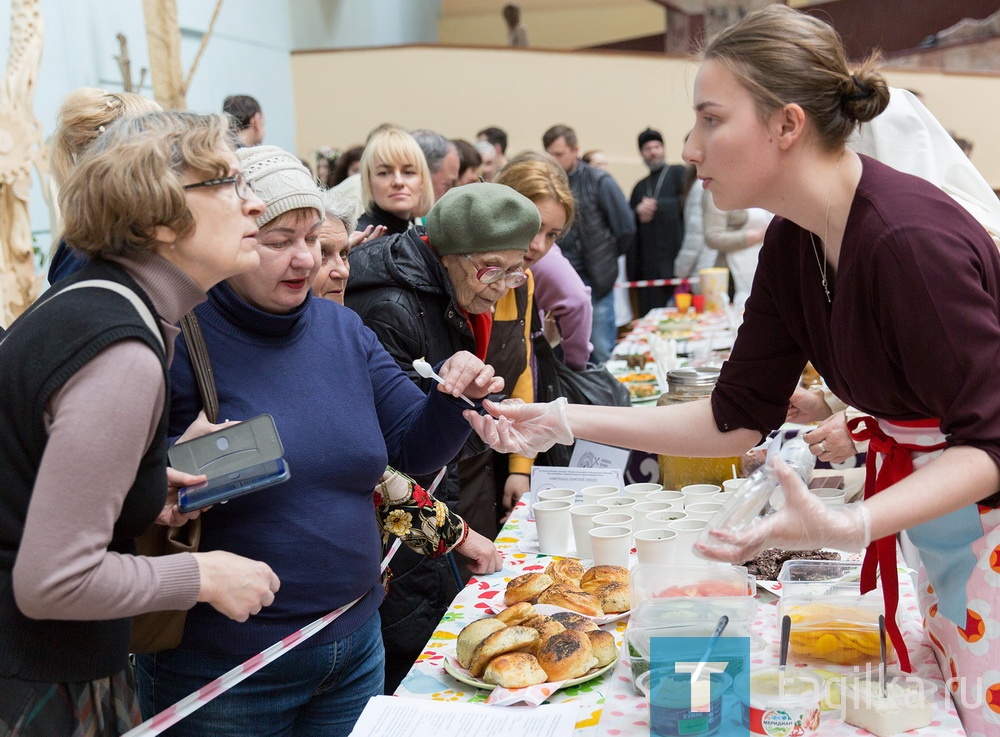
<point x="427" y="295"/>
<point x="160" y="210"/>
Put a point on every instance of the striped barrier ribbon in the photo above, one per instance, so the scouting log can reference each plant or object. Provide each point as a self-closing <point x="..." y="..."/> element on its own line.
<point x="194" y="701"/>
<point x="657" y="282"/>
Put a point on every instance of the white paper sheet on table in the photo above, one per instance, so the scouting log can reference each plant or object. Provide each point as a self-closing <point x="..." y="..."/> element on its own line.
<point x="391" y="716"/>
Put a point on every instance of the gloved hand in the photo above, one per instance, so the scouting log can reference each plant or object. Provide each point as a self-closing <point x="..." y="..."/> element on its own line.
<point x="518" y="427"/>
<point x="804" y="523"/>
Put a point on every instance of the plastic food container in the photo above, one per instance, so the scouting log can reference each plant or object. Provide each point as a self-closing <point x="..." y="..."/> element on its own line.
<point x="650" y="581"/>
<point x="779" y="706"/>
<point x="834" y="629"/>
<point x="670" y="702"/>
<point x="820" y="578"/>
<point x="638" y="641"/>
<point x="907" y="704"/>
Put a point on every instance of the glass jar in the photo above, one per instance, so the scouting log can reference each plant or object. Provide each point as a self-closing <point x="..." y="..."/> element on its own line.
<point x="688" y="385"/>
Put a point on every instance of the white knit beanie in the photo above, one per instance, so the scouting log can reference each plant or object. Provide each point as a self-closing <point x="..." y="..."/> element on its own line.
<point x="280" y="180"/>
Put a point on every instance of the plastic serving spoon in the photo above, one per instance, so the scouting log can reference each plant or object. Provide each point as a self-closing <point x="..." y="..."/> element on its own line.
<point x="881" y="651"/>
<point x="424" y="369"/>
<point x="786" y="633"/>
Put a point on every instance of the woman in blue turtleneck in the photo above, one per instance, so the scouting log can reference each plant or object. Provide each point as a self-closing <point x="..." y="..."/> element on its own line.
<point x="344" y="410"/>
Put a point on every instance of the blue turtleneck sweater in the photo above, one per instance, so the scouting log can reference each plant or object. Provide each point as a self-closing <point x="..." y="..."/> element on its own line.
<point x="343" y="409"/>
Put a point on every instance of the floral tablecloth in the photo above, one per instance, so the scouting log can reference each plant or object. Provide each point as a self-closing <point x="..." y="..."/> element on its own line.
<point x="609" y="705"/>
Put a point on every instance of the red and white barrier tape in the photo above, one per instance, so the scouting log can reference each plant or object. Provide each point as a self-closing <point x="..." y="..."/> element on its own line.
<point x="657" y="282"/>
<point x="192" y="702"/>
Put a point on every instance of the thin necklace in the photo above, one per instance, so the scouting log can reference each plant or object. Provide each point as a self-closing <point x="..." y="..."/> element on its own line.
<point x="821" y="262"/>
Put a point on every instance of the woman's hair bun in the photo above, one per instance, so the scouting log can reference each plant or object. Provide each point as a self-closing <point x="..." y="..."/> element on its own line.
<point x="867" y="94"/>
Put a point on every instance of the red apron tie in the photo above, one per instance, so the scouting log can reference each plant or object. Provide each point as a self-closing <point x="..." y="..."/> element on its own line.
<point x="881" y="554"/>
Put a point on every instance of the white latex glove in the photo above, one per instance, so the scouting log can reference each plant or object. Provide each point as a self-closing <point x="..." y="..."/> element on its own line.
<point x="522" y="428"/>
<point x="483" y="554"/>
<point x="804" y="523"/>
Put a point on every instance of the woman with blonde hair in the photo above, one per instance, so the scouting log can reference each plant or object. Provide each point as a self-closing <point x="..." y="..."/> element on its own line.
<point x="891" y="289"/>
<point x="560" y="296"/>
<point x="160" y="208"/>
<point x="395" y="181"/>
<point x="84" y="115"/>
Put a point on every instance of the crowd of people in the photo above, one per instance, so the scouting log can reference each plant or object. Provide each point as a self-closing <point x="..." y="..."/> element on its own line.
<point x="316" y="291"/>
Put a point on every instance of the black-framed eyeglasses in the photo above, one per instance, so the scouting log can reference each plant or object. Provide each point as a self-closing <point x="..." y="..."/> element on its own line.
<point x="243" y="188"/>
<point x="493" y="274"/>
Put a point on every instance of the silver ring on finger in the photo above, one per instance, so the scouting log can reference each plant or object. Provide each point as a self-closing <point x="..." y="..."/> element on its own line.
<point x="822" y="446"/>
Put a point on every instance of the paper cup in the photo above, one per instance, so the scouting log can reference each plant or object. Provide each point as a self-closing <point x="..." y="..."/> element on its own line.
<point x="614" y="519"/>
<point x="699" y="493"/>
<point x="582" y="519"/>
<point x="611" y="545"/>
<point x="656" y="546"/>
<point x="674" y="498"/>
<point x="639" y="492"/>
<point x="664" y="518"/>
<point x="552" y="520"/>
<point x="641" y="511"/>
<point x="687" y="531"/>
<point x="732" y="484"/>
<point x="703" y="510"/>
<point x="591" y="494"/>
<point x="617" y="503"/>
<point x="568" y="495"/>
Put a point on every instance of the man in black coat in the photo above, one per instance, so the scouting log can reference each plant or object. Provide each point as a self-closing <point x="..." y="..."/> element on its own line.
<point x="658" y="203"/>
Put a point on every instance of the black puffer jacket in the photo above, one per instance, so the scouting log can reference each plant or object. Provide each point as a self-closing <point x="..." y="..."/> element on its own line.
<point x="403" y="294"/>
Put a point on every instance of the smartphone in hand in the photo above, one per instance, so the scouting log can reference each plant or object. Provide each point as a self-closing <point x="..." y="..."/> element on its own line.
<point x="221" y="489"/>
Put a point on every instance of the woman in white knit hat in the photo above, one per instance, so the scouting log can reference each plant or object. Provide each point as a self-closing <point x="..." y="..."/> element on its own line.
<point x="344" y="409"/>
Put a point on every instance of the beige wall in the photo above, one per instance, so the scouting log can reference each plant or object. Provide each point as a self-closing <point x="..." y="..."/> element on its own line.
<point x="607" y="97"/>
<point x="572" y="25"/>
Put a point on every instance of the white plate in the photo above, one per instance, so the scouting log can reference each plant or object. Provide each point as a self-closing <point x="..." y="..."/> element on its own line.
<point x="498" y="606"/>
<point x="452" y="670"/>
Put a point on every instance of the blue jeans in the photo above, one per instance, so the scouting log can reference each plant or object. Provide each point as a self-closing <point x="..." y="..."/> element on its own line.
<point x="604" y="333"/>
<point x="308" y="692"/>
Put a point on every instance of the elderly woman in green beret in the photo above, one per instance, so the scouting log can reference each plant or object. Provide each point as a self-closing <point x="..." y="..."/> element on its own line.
<point x="429" y="293"/>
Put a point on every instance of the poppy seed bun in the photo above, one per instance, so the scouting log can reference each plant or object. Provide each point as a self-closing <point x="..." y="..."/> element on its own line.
<point x="569" y="597"/>
<point x="517" y="614"/>
<point x="613" y="597"/>
<point x="567" y="570"/>
<point x="603" y="574"/>
<point x="566" y="655"/>
<point x="546" y="626"/>
<point x="502" y="641"/>
<point x="574" y="621"/>
<point x="603" y="645"/>
<point x="472" y="634"/>
<point x="514" y="670"/>
<point x="526" y="587"/>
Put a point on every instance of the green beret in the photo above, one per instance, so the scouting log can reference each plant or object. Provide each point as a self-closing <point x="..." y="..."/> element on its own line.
<point x="482" y="218"/>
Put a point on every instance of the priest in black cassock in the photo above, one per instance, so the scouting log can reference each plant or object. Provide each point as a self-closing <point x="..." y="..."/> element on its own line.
<point x="658" y="204"/>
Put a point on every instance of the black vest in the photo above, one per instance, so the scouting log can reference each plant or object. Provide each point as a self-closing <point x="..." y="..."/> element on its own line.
<point x="42" y="349"/>
<point x="590" y="245"/>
